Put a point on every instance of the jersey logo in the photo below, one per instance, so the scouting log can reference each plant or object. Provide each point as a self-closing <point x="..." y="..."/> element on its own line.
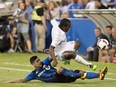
<point x="45" y="68"/>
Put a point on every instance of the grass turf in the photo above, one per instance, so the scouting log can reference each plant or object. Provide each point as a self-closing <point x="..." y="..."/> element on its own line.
<point x="19" y="65"/>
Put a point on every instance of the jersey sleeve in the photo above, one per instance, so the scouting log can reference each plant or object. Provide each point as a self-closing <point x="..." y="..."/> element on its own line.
<point x="46" y="61"/>
<point x="56" y="38"/>
<point x="54" y="22"/>
<point x="55" y="41"/>
<point x="30" y="76"/>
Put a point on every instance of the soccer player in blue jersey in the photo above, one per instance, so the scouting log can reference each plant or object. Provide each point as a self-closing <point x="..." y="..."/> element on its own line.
<point x="45" y="72"/>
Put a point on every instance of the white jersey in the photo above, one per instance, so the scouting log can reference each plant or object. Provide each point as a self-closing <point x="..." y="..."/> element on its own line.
<point x="59" y="39"/>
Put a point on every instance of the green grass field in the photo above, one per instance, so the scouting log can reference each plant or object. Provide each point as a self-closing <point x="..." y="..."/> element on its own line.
<point x="16" y="65"/>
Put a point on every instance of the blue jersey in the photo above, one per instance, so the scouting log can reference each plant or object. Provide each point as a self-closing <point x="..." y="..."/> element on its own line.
<point x="46" y="73"/>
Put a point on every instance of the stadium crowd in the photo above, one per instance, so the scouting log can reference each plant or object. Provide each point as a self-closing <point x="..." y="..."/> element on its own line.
<point x="29" y="21"/>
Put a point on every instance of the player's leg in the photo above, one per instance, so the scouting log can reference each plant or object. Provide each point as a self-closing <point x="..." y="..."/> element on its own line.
<point x="87" y="75"/>
<point x="68" y="73"/>
<point x="72" y="55"/>
<point x="79" y="58"/>
<point x="71" y="48"/>
<point x="60" y="78"/>
<point x="83" y="61"/>
<point x="82" y="74"/>
<point x="92" y="75"/>
<point x="67" y="55"/>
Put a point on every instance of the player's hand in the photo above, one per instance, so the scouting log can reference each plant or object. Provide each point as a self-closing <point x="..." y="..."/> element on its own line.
<point x="54" y="63"/>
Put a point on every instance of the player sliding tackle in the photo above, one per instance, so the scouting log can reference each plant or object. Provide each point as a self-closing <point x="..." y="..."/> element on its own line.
<point x="47" y="73"/>
<point x="62" y="50"/>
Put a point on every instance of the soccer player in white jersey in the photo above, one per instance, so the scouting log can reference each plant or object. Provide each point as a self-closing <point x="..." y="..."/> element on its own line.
<point x="61" y="49"/>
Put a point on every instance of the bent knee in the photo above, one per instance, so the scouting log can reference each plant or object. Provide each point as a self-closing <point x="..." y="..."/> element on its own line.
<point x="69" y="55"/>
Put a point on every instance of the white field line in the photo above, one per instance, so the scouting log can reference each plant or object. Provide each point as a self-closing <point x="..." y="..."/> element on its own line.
<point x="17" y="64"/>
<point x="110" y="78"/>
<point x="24" y="70"/>
<point x="112" y="73"/>
<point x="14" y="69"/>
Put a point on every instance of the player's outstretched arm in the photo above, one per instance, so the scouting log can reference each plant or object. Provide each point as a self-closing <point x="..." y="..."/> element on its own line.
<point x="17" y="81"/>
<point x="52" y="54"/>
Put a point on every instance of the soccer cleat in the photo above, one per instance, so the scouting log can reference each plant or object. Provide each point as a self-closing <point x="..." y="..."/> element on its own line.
<point x="103" y="73"/>
<point x="66" y="62"/>
<point x="84" y="76"/>
<point x="93" y="67"/>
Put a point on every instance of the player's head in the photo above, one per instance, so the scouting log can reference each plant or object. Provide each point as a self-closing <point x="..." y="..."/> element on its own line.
<point x="65" y="24"/>
<point x="35" y="61"/>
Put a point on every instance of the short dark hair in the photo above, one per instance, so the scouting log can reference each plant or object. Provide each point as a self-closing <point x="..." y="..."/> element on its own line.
<point x="109" y="27"/>
<point x="32" y="59"/>
<point x="65" y="22"/>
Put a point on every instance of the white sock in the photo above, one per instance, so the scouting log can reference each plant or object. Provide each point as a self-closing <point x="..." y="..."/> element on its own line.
<point x="81" y="60"/>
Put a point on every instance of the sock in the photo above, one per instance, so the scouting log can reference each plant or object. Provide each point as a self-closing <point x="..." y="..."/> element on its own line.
<point x="81" y="60"/>
<point x="92" y="75"/>
<point x="70" y="73"/>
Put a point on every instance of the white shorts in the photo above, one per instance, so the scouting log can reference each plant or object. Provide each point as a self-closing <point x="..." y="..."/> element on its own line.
<point x="68" y="47"/>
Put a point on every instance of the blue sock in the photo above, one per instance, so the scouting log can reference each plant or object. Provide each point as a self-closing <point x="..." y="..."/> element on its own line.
<point x="92" y="75"/>
<point x="70" y="73"/>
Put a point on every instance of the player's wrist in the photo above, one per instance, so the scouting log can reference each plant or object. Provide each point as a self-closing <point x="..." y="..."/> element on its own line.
<point x="54" y="59"/>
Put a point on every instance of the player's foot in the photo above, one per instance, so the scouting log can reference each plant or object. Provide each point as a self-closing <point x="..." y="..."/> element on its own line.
<point x="103" y="73"/>
<point x="93" y="67"/>
<point x="66" y="62"/>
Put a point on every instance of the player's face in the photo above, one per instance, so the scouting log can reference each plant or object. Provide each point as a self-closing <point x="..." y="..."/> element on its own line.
<point x="67" y="28"/>
<point x="37" y="63"/>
